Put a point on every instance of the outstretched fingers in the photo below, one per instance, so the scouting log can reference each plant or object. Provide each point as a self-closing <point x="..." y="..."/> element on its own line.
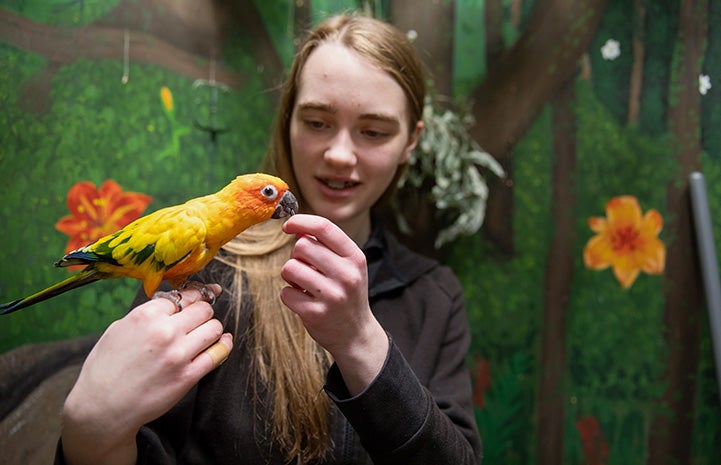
<point x="322" y="230"/>
<point x="205" y="334"/>
<point x="322" y="256"/>
<point x="190" y="311"/>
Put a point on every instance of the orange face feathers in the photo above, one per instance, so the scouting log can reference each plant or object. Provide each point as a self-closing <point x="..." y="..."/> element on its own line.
<point x="261" y="193"/>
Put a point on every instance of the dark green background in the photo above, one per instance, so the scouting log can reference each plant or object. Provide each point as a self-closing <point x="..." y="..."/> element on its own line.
<point x="94" y="127"/>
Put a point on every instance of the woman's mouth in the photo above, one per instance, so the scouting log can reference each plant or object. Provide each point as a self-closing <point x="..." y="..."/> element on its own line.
<point x="336" y="184"/>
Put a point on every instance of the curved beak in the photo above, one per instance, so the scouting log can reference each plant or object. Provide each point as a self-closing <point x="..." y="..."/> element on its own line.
<point x="287" y="206"/>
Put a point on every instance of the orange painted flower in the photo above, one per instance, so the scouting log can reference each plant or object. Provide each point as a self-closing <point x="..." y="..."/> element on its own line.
<point x="95" y="213"/>
<point x="626" y="241"/>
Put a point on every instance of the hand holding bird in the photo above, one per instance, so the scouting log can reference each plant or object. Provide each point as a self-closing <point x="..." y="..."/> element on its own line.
<point x="174" y="242"/>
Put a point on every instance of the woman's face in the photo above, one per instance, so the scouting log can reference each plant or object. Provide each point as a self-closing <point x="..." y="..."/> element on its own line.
<point x="348" y="134"/>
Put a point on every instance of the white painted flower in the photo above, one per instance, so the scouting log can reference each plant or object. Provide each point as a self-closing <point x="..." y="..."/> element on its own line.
<point x="611" y="50"/>
<point x="412" y="35"/>
<point x="704" y="83"/>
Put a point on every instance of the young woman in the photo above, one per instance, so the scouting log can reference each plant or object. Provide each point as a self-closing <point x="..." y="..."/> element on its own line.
<point x="342" y="346"/>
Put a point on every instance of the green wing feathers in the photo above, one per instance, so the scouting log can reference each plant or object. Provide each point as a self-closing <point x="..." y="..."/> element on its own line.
<point x="152" y="244"/>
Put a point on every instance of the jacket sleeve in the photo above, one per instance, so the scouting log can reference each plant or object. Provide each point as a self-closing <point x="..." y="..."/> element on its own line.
<point x="153" y="448"/>
<point x="399" y="421"/>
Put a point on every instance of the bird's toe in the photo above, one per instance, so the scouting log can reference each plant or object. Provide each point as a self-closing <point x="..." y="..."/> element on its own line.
<point x="174" y="296"/>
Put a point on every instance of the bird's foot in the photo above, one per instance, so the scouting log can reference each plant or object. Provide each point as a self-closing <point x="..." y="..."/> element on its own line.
<point x="173" y="296"/>
<point x="205" y="291"/>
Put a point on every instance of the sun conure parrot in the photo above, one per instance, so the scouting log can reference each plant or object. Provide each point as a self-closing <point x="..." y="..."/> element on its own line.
<point x="174" y="242"/>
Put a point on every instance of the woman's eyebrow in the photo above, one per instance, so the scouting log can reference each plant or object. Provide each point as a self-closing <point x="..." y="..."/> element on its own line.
<point x="382" y="117"/>
<point x="326" y="108"/>
<point x="317" y="106"/>
<point x="320" y="106"/>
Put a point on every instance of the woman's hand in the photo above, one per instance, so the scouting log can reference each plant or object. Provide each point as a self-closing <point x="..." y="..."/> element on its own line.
<point x="328" y="279"/>
<point x="142" y="365"/>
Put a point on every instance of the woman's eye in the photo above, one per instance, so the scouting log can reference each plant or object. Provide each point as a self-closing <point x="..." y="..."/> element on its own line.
<point x="373" y="134"/>
<point x="315" y="124"/>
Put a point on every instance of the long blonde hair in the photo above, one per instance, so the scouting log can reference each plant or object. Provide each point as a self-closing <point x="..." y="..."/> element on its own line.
<point x="286" y="360"/>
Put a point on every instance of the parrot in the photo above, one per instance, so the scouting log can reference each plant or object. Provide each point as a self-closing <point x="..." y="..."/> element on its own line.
<point x="174" y="242"/>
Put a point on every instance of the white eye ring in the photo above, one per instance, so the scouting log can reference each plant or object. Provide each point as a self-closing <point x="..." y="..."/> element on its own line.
<point x="269" y="192"/>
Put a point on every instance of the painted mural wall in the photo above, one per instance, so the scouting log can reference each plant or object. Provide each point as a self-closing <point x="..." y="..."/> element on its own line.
<point x="591" y="340"/>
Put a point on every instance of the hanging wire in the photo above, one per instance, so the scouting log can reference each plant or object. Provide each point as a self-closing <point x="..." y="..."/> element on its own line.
<point x="126" y="57"/>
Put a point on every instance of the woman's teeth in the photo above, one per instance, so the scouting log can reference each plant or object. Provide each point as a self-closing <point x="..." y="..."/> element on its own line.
<point x="338" y="184"/>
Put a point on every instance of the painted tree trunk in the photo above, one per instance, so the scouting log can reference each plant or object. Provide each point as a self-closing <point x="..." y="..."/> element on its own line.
<point x="518" y="86"/>
<point x="551" y="393"/>
<point x="433" y="22"/>
<point x="671" y="431"/>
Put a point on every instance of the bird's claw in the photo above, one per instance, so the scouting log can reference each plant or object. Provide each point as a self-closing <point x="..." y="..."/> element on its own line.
<point x="174" y="296"/>
<point x="207" y="294"/>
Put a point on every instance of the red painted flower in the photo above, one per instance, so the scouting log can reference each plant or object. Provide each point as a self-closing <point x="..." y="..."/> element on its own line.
<point x="98" y="212"/>
<point x="482" y="381"/>
<point x="595" y="447"/>
<point x="626" y="241"/>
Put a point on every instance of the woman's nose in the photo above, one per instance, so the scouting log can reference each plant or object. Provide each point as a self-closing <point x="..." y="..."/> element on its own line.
<point x="341" y="150"/>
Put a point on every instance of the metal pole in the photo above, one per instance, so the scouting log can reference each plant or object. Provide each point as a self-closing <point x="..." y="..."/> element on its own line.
<point x="707" y="259"/>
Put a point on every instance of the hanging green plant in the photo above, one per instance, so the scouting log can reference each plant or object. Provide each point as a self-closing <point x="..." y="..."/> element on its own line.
<point x="448" y="157"/>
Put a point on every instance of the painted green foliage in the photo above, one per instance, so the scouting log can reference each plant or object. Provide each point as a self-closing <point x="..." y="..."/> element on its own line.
<point x="96" y="128"/>
<point x="61" y="12"/>
<point x="93" y="127"/>
<point x="614" y="337"/>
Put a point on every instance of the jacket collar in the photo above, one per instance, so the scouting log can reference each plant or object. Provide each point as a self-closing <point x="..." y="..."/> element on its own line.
<point x="391" y="265"/>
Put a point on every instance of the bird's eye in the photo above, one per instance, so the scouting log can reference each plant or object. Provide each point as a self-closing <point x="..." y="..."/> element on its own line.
<point x="269" y="192"/>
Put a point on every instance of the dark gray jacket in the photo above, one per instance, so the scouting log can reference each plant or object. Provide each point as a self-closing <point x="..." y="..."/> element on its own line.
<point x="417" y="411"/>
